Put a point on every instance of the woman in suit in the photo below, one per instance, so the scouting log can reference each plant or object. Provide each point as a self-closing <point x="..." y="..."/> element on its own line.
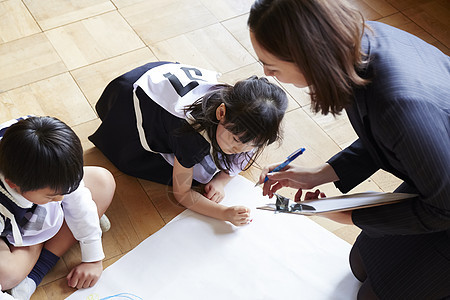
<point x="395" y="89"/>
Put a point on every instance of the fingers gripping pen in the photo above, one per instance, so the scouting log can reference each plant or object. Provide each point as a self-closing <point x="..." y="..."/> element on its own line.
<point x="288" y="160"/>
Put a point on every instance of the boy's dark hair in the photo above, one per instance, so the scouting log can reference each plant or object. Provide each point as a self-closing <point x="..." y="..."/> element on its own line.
<point x="323" y="38"/>
<point x="254" y="110"/>
<point x="41" y="152"/>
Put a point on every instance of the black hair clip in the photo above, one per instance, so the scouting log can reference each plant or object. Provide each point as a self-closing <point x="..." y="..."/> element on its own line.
<point x="282" y="205"/>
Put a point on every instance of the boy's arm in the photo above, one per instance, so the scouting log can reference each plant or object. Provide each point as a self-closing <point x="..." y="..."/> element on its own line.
<point x="182" y="182"/>
<point x="80" y="214"/>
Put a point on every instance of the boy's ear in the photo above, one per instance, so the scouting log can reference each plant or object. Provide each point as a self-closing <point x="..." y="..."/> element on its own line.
<point x="220" y="112"/>
<point x="10" y="183"/>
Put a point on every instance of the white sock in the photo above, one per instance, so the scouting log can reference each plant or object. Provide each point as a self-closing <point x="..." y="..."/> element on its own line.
<point x="5" y="295"/>
<point x="24" y="289"/>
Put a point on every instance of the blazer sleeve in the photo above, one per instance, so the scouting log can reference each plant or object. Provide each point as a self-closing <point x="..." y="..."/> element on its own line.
<point x="352" y="165"/>
<point x="416" y="133"/>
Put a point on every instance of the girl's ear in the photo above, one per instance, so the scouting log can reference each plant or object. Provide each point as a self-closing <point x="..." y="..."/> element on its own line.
<point x="220" y="112"/>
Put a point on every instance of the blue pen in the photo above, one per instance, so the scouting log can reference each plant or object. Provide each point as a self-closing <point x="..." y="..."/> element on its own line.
<point x="288" y="160"/>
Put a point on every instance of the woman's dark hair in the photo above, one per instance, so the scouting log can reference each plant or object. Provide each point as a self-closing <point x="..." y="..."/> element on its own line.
<point x="41" y="152"/>
<point x="254" y="110"/>
<point x="322" y="38"/>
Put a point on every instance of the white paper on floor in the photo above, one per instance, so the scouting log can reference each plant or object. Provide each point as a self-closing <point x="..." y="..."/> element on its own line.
<point x="276" y="256"/>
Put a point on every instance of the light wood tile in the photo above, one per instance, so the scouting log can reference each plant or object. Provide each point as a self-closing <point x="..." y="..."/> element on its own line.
<point x="93" y="79"/>
<point x="366" y="10"/>
<point x="57" y="289"/>
<point x="132" y="201"/>
<point x="94" y="39"/>
<point x="58" y="96"/>
<point x="238" y="28"/>
<point x="60" y="270"/>
<point x="337" y="127"/>
<point x="15" y="21"/>
<point x="164" y="19"/>
<point x="84" y="130"/>
<point x="348" y="233"/>
<point x="226" y="9"/>
<point x="123" y="3"/>
<point x="405" y="4"/>
<point x="39" y="294"/>
<point x="108" y="262"/>
<point x="163" y="199"/>
<point x="122" y="228"/>
<point x="434" y="18"/>
<point x="93" y="157"/>
<point x="301" y="95"/>
<point x="202" y="48"/>
<point x="374" y="10"/>
<point x="400" y="21"/>
<point x="27" y="60"/>
<point x="51" y="14"/>
<point x="386" y="181"/>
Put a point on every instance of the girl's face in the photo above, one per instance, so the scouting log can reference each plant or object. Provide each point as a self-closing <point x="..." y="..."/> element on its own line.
<point x="229" y="143"/>
<point x="284" y="71"/>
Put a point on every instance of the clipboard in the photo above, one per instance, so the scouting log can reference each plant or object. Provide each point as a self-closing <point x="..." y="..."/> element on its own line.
<point x="335" y="204"/>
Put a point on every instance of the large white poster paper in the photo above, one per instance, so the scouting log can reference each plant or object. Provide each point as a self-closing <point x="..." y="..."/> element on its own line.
<point x="276" y="256"/>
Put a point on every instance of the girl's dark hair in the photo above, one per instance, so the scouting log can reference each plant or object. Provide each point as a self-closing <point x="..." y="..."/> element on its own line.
<point x="41" y="152"/>
<point x="254" y="110"/>
<point x="322" y="38"/>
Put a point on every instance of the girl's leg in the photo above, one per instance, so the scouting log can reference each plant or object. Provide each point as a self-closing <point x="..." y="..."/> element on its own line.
<point x="16" y="263"/>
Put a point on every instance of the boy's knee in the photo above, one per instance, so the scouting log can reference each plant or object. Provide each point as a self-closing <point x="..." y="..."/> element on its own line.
<point x="10" y="276"/>
<point x="102" y="185"/>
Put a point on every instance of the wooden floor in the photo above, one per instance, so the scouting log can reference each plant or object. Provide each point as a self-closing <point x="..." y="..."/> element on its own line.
<point x="57" y="56"/>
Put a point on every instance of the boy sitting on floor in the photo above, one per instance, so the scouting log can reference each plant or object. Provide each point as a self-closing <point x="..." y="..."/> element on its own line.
<point x="48" y="201"/>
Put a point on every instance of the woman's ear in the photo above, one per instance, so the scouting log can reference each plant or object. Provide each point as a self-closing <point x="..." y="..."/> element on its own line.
<point x="220" y="112"/>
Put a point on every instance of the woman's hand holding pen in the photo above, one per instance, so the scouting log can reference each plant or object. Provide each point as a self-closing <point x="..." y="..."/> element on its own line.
<point x="296" y="177"/>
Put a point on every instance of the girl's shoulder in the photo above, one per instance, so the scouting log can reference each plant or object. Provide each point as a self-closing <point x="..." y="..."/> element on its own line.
<point x="174" y="86"/>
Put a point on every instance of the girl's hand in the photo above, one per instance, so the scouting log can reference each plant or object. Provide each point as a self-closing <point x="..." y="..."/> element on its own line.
<point x="85" y="274"/>
<point x="215" y="190"/>
<point x="237" y="215"/>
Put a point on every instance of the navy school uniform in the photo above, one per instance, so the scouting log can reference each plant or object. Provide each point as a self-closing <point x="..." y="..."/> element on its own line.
<point x="141" y="134"/>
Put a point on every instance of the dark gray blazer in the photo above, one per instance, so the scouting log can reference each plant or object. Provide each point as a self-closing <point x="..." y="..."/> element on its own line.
<point x="402" y="119"/>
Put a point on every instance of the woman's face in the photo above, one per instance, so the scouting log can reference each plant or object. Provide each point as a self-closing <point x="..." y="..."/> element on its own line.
<point x="284" y="71"/>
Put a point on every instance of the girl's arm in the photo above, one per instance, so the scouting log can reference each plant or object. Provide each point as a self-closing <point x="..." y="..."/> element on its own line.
<point x="182" y="180"/>
<point x="215" y="189"/>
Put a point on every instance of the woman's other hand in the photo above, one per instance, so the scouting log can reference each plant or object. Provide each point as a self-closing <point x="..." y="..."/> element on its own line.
<point x="296" y="177"/>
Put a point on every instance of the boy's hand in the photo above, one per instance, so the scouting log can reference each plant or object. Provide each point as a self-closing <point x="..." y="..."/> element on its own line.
<point x="85" y="274"/>
<point x="238" y="215"/>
